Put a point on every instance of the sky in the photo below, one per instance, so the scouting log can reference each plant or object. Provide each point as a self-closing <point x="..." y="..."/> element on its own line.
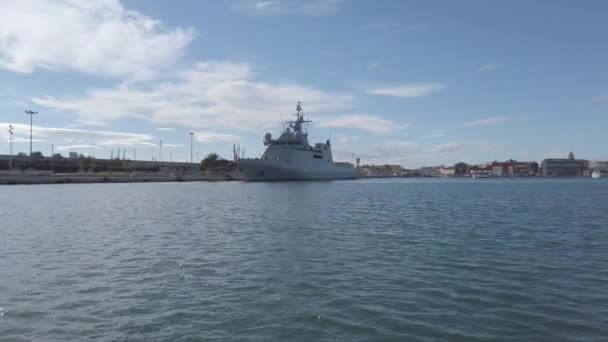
<point x="415" y="83"/>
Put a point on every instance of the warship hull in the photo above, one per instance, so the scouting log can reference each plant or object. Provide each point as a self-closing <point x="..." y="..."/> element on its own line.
<point x="264" y="170"/>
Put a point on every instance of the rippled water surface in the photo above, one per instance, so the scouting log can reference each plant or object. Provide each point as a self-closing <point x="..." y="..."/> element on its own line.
<point x="366" y="260"/>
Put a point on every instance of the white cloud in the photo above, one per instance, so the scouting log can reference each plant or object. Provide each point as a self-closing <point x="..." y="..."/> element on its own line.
<point x="83" y="136"/>
<point x="265" y="4"/>
<point x="95" y="37"/>
<point x="90" y="147"/>
<point x="601" y="98"/>
<point x="347" y="139"/>
<point x="399" y="145"/>
<point x="211" y="94"/>
<point x="27" y="140"/>
<point x="450" y="147"/>
<point x="207" y="137"/>
<point x="288" y="7"/>
<point x="489" y="67"/>
<point x="165" y="129"/>
<point x="364" y="122"/>
<point x="76" y="147"/>
<point x="410" y="90"/>
<point x="485" y="122"/>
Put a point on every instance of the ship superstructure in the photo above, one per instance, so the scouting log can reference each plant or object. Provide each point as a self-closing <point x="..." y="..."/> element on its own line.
<point x="291" y="157"/>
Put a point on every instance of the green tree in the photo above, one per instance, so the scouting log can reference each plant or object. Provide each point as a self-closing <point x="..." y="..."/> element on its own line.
<point x="211" y="160"/>
<point x="212" y="157"/>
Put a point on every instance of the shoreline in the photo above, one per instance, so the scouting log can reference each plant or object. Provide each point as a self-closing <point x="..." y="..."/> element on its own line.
<point x="33" y="179"/>
<point x="21" y="179"/>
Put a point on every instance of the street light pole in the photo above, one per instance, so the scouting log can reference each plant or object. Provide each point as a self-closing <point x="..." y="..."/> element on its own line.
<point x="191" y="142"/>
<point x="31" y="113"/>
<point x="160" y="150"/>
<point x="10" y="149"/>
<point x="134" y="161"/>
<point x="94" y="147"/>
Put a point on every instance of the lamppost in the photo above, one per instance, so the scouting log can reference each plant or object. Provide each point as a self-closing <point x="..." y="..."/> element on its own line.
<point x="160" y="150"/>
<point x="93" y="148"/>
<point x="191" y="144"/>
<point x="134" y="161"/>
<point x="31" y="113"/>
<point x="10" y="148"/>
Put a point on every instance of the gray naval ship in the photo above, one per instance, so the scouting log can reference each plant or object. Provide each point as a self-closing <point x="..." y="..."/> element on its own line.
<point x="290" y="157"/>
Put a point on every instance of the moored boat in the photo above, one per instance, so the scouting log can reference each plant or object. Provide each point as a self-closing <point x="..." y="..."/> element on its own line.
<point x="597" y="174"/>
<point x="291" y="157"/>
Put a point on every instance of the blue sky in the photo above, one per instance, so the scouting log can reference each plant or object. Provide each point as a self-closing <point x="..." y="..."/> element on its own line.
<point x="409" y="82"/>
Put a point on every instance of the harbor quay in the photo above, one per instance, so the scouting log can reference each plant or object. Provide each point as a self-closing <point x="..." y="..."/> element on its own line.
<point x="58" y="170"/>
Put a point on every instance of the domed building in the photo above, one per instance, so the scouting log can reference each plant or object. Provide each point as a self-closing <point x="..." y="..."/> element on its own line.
<point x="569" y="166"/>
<point x="571" y="156"/>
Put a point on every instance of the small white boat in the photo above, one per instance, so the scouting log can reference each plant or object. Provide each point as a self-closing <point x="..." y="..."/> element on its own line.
<point x="597" y="174"/>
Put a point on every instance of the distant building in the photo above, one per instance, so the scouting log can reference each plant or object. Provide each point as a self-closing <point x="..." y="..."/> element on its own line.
<point x="482" y="169"/>
<point x="512" y="168"/>
<point x="430" y="171"/>
<point x="446" y="171"/>
<point x="500" y="169"/>
<point x="598" y="165"/>
<point x="73" y="155"/>
<point x="381" y="170"/>
<point x="525" y="169"/>
<point x="565" y="167"/>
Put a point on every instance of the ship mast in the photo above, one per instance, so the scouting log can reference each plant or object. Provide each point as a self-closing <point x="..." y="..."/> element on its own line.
<point x="297" y="125"/>
<point x="299" y="110"/>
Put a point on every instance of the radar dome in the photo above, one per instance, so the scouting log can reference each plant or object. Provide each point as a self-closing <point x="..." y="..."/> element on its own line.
<point x="267" y="137"/>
